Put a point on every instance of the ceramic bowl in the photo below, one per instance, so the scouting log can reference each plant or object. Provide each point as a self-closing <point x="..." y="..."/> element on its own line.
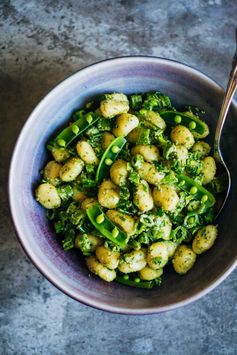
<point x="65" y="270"/>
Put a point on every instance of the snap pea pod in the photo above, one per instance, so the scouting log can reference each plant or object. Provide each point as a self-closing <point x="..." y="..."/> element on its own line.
<point x="196" y="126"/>
<point x="109" y="157"/>
<point x="133" y="283"/>
<point x="104" y="225"/>
<point x="198" y="191"/>
<point x="69" y="133"/>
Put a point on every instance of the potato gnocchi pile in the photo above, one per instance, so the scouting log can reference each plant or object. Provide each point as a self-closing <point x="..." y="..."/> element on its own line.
<point x="132" y="185"/>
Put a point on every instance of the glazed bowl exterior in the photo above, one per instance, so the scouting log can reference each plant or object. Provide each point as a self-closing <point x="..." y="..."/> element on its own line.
<point x="66" y="270"/>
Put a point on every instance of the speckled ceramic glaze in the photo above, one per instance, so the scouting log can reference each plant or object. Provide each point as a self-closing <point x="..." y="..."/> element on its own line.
<point x="64" y="269"/>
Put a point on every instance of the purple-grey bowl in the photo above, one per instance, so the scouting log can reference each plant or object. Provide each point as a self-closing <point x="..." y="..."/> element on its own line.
<point x="65" y="270"/>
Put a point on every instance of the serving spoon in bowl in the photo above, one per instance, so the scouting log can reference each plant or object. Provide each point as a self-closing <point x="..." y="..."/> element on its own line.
<point x="230" y="90"/>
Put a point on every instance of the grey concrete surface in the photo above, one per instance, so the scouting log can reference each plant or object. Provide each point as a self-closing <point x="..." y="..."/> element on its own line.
<point x="41" y="42"/>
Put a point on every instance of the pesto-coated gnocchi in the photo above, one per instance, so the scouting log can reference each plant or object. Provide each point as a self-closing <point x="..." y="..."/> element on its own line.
<point x="157" y="255"/>
<point x="133" y="136"/>
<point x="209" y="169"/>
<point x="143" y="197"/>
<point x="183" y="259"/>
<point x="166" y="197"/>
<point x="87" y="243"/>
<point x="60" y="154"/>
<point x="113" y="105"/>
<point x="88" y="202"/>
<point x="86" y="153"/>
<point x="108" y="194"/>
<point x="133" y="261"/>
<point x="124" y="221"/>
<point x="71" y="169"/>
<point x="132" y="187"/>
<point x="102" y="271"/>
<point x="119" y="172"/>
<point x="203" y="148"/>
<point x="148" y="172"/>
<point x="150" y="153"/>
<point x="150" y="274"/>
<point x="48" y="196"/>
<point x="107" y="257"/>
<point x="204" y="239"/>
<point x="107" y="139"/>
<point x="181" y="135"/>
<point x="155" y="119"/>
<point x="125" y="123"/>
<point x="51" y="172"/>
<point x="182" y="154"/>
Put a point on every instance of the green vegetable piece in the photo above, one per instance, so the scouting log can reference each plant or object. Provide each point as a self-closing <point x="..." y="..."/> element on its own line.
<point x="204" y="198"/>
<point x="115" y="232"/>
<point x="126" y="276"/>
<point x="193" y="190"/>
<point x="69" y="133"/>
<point x="106" y="227"/>
<point x="108" y="161"/>
<point x="179" y="234"/>
<point x="192" y="122"/>
<point x="61" y="142"/>
<point x="192" y="125"/>
<point x="137" y="280"/>
<point x="191" y="220"/>
<point x="115" y="149"/>
<point x="178" y="119"/>
<point x="100" y="219"/>
<point x="74" y="129"/>
<point x="108" y="158"/>
<point x="186" y="183"/>
<point x="89" y="118"/>
<point x="133" y="283"/>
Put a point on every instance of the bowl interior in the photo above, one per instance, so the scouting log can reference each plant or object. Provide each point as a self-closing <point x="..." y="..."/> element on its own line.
<point x="65" y="269"/>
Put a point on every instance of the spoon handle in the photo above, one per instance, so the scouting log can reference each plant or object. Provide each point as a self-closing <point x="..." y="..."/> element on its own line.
<point x="231" y="87"/>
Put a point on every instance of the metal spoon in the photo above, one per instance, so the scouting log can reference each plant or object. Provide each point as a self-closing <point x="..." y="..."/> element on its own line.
<point x="230" y="90"/>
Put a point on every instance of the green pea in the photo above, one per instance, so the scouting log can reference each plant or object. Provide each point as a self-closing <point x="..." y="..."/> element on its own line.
<point x="178" y="119"/>
<point x="191" y="220"/>
<point x="204" y="198"/>
<point x="193" y="190"/>
<point x="108" y="161"/>
<point x="61" y="142"/>
<point x="115" y="149"/>
<point x="143" y="111"/>
<point x="125" y="277"/>
<point x="182" y="183"/>
<point x="137" y="280"/>
<point x="192" y="125"/>
<point x="75" y="128"/>
<point x="100" y="219"/>
<point x="89" y="118"/>
<point x="115" y="232"/>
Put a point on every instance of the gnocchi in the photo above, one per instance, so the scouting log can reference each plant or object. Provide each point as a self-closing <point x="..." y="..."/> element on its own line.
<point x="71" y="169"/>
<point x="184" y="259"/>
<point x="166" y="197"/>
<point x="204" y="239"/>
<point x="108" y="194"/>
<point x="125" y="123"/>
<point x="181" y="135"/>
<point x="86" y="153"/>
<point x="150" y="153"/>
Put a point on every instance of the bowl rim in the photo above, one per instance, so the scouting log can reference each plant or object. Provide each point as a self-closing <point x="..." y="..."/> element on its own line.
<point x="17" y="227"/>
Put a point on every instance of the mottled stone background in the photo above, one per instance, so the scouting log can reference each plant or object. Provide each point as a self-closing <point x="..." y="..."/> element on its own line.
<point x="41" y="42"/>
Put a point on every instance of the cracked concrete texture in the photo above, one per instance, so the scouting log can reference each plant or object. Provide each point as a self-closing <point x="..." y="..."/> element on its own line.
<point x="41" y="42"/>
